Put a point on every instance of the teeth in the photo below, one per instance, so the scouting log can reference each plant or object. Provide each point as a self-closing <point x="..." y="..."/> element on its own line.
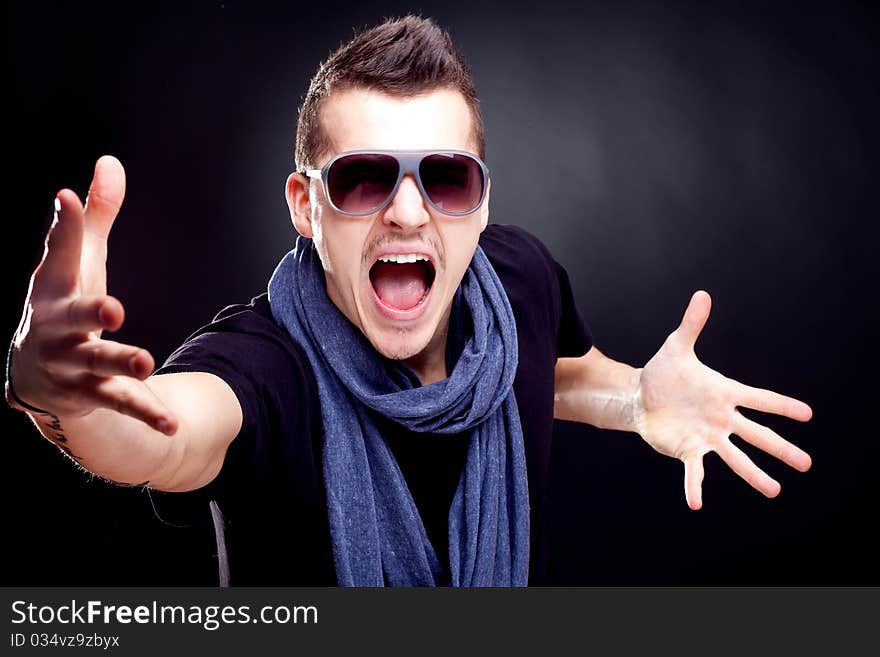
<point x="403" y="257"/>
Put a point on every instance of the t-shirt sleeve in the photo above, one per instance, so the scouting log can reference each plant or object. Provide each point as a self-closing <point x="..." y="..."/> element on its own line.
<point x="574" y="337"/>
<point x="266" y="371"/>
<point x="221" y="354"/>
<point x="538" y="285"/>
<point x="223" y="349"/>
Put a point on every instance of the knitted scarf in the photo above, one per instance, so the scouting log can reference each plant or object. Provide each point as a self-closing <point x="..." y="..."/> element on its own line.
<point x="376" y="532"/>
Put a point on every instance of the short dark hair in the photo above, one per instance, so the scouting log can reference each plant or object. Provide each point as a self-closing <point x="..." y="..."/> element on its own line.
<point x="401" y="57"/>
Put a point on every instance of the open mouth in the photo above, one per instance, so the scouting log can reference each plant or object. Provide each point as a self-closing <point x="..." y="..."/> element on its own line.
<point x="402" y="282"/>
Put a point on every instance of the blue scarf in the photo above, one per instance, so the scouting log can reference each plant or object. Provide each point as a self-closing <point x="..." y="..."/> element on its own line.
<point x="376" y="532"/>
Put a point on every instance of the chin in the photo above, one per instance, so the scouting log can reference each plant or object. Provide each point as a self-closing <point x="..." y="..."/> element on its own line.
<point x="400" y="345"/>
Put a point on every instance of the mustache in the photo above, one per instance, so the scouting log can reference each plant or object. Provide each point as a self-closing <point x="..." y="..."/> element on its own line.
<point x="409" y="241"/>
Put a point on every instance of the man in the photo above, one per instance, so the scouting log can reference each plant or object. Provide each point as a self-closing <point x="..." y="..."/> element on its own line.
<point x="383" y="414"/>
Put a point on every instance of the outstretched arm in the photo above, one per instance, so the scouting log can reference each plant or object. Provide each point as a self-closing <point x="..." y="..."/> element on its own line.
<point x="95" y="398"/>
<point x="679" y="406"/>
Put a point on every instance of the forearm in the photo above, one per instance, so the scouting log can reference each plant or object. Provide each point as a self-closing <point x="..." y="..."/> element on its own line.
<point x="111" y="445"/>
<point x="126" y="450"/>
<point x="597" y="390"/>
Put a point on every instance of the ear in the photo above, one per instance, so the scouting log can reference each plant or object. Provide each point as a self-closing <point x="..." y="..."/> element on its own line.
<point x="484" y="209"/>
<point x="296" y="191"/>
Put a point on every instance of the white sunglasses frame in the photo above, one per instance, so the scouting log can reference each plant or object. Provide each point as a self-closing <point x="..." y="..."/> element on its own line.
<point x="408" y="162"/>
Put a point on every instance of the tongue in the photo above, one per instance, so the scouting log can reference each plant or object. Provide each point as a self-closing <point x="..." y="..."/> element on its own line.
<point x="400" y="286"/>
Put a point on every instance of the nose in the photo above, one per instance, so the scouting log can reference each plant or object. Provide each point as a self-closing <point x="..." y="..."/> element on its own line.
<point x="407" y="209"/>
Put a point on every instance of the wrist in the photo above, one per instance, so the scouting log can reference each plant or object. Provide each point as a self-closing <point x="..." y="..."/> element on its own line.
<point x="12" y="398"/>
<point x="636" y="406"/>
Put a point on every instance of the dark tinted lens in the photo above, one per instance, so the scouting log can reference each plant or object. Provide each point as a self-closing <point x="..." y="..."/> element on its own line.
<point x="453" y="182"/>
<point x="360" y="183"/>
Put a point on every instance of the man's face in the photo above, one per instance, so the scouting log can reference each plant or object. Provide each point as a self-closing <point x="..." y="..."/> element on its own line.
<point x="403" y="309"/>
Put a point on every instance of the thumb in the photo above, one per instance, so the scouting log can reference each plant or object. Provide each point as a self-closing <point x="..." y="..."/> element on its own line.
<point x="105" y="196"/>
<point x="695" y="317"/>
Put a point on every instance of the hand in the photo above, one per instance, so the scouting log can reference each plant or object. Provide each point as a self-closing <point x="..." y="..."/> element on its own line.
<point x="687" y="410"/>
<point x="60" y="361"/>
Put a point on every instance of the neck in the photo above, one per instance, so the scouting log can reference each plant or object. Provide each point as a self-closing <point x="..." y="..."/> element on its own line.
<point x="429" y="368"/>
<point x="430" y="363"/>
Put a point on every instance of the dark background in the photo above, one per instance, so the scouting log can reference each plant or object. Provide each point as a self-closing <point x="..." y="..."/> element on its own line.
<point x="655" y="148"/>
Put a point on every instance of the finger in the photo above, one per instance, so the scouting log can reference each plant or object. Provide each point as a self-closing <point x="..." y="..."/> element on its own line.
<point x="742" y="465"/>
<point x="105" y="196"/>
<point x="694" y="319"/>
<point x="83" y="314"/>
<point x="771" y="442"/>
<point x="693" y="482"/>
<point x="133" y="398"/>
<point x="58" y="272"/>
<point x="768" y="401"/>
<point x="101" y="358"/>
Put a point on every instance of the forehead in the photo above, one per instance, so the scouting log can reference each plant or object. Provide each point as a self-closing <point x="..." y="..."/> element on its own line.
<point x="356" y="119"/>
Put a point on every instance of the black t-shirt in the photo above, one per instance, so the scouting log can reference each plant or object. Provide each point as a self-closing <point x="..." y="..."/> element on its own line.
<point x="270" y="489"/>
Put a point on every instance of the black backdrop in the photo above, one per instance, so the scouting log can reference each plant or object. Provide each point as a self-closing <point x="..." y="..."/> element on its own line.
<point x="656" y="149"/>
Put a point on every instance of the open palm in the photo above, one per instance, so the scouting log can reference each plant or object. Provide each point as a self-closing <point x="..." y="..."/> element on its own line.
<point x="687" y="409"/>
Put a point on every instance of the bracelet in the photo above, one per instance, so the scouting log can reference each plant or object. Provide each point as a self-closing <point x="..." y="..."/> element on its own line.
<point x="11" y="398"/>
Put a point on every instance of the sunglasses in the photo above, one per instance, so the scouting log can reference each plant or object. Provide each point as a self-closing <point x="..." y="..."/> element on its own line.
<point x="359" y="183"/>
